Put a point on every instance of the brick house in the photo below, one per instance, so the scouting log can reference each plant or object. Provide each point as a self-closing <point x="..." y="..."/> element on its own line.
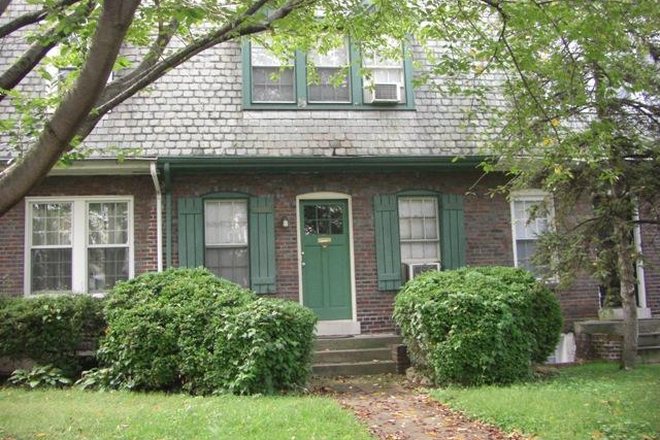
<point x="328" y="195"/>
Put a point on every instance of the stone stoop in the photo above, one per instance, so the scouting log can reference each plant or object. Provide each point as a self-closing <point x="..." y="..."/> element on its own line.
<point x="356" y="355"/>
<point x="648" y="347"/>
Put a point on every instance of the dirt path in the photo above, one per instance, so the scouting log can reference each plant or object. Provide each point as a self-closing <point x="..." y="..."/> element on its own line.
<point x="394" y="411"/>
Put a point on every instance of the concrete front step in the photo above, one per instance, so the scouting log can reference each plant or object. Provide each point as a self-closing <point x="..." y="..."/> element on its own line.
<point x="357" y="342"/>
<point x="648" y="339"/>
<point x="354" y="368"/>
<point x="352" y="355"/>
<point x="649" y="354"/>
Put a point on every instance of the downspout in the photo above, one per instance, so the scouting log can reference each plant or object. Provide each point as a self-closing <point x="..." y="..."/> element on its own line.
<point x="168" y="215"/>
<point x="159" y="216"/>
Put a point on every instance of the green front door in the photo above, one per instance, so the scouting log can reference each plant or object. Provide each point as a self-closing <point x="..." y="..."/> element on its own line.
<point x="326" y="267"/>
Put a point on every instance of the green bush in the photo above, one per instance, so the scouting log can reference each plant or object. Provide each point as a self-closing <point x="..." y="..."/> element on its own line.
<point x="188" y="329"/>
<point x="40" y="376"/>
<point x="50" y="329"/>
<point x="477" y="326"/>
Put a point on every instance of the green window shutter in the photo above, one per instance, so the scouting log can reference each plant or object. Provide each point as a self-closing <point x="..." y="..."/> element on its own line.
<point x="262" y="244"/>
<point x="191" y="232"/>
<point x="388" y="252"/>
<point x="453" y="232"/>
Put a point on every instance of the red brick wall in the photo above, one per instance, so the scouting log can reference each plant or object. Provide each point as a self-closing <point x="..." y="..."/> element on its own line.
<point x="651" y="250"/>
<point x="12" y="224"/>
<point x="487" y="226"/>
<point x="488" y="229"/>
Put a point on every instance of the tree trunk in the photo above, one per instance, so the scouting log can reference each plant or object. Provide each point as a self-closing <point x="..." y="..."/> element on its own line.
<point x="629" y="301"/>
<point x="34" y="165"/>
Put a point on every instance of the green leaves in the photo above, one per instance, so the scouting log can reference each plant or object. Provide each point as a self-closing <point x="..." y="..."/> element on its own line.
<point x="40" y="376"/>
<point x="50" y="329"/>
<point x="187" y="329"/>
<point x="477" y="326"/>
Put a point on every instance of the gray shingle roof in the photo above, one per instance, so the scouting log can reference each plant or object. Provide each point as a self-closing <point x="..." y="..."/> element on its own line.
<point x="195" y="110"/>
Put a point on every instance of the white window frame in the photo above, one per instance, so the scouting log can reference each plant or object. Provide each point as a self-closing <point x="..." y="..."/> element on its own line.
<point x="531" y="195"/>
<point x="437" y="225"/>
<point x="79" y="238"/>
<point x="231" y="245"/>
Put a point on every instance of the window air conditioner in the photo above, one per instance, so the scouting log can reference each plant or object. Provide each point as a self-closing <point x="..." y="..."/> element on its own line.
<point x="414" y="269"/>
<point x="386" y="93"/>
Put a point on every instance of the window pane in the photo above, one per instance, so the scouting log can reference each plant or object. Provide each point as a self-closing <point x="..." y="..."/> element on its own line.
<point x="108" y="223"/>
<point x="418" y="229"/>
<point x="272" y="84"/>
<point x="229" y="263"/>
<point x="382" y="70"/>
<point x="226" y="222"/>
<point x="51" y="224"/>
<point x="51" y="269"/>
<point x="329" y="84"/>
<point x="525" y="250"/>
<point x="272" y="80"/>
<point x="106" y="267"/>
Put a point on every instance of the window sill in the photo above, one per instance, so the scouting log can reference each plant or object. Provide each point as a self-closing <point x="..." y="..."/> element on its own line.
<point x="313" y="107"/>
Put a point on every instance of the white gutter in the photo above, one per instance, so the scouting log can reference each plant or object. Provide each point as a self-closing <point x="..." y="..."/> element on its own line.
<point x="159" y="216"/>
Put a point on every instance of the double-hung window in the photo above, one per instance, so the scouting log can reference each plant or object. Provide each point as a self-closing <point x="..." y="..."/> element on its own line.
<point x="527" y="230"/>
<point x="51" y="246"/>
<point x="418" y="230"/>
<point x="107" y="244"/>
<point x="340" y="78"/>
<point x="78" y="244"/>
<point x="272" y="79"/>
<point x="226" y="239"/>
<point x="330" y="80"/>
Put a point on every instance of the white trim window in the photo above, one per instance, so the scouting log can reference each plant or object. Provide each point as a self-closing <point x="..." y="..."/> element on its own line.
<point x="226" y="239"/>
<point x="419" y="231"/>
<point x="79" y="244"/>
<point x="526" y="231"/>
<point x="51" y="246"/>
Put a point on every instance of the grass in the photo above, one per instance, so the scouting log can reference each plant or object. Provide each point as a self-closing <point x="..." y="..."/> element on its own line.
<point x="595" y="401"/>
<point x="75" y="414"/>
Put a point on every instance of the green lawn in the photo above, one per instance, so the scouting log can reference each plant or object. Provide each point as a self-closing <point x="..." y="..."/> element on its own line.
<point x="595" y="401"/>
<point x="74" y="414"/>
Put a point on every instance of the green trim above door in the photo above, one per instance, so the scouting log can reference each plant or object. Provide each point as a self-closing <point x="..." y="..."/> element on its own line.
<point x="326" y="258"/>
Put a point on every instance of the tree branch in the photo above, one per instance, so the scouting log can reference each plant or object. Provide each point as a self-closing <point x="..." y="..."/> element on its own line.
<point x="55" y="138"/>
<point x="35" y="53"/>
<point x="33" y="17"/>
<point x="235" y="28"/>
<point x="4" y="4"/>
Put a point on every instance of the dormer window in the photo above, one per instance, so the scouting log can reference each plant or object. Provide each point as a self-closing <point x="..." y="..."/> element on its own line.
<point x="273" y="80"/>
<point x="339" y="78"/>
<point x="330" y="76"/>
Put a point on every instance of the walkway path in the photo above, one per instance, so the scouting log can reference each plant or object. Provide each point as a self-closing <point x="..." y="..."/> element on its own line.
<point x="394" y="411"/>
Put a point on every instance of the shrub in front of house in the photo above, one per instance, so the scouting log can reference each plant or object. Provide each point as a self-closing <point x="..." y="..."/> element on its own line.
<point x="50" y="329"/>
<point x="187" y="329"/>
<point x="478" y="325"/>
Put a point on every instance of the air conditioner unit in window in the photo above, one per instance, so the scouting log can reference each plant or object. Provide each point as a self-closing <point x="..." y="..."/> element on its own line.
<point x="386" y="93"/>
<point x="414" y="269"/>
